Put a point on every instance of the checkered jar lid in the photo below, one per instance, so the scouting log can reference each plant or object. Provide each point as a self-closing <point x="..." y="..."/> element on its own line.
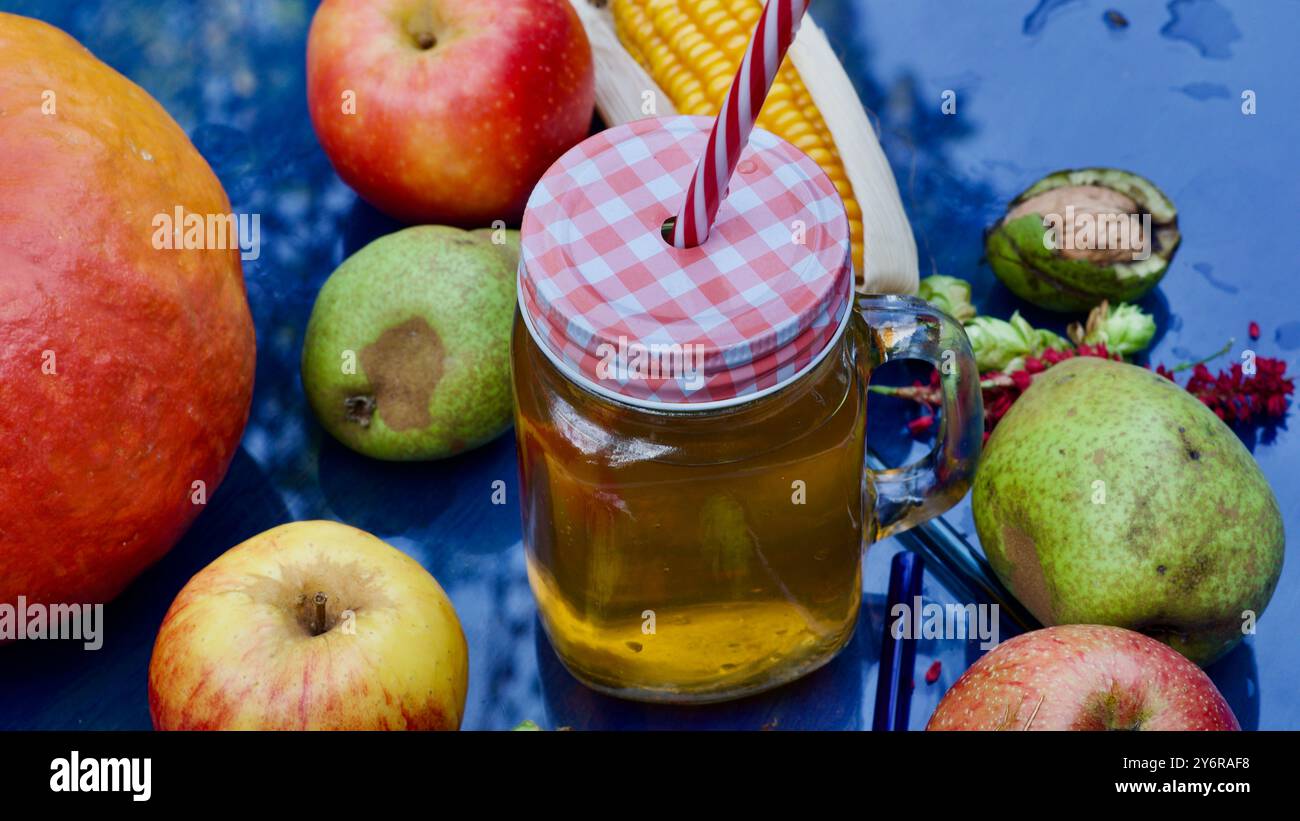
<point x="621" y="311"/>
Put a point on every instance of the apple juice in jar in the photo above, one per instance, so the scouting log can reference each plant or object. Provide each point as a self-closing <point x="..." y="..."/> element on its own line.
<point x="693" y="552"/>
<point x="691" y="422"/>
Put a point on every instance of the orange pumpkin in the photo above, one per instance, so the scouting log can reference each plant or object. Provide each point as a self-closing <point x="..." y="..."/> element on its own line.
<point x="126" y="370"/>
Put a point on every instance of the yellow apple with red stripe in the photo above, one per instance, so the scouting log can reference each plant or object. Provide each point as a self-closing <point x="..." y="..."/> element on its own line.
<point x="310" y="626"/>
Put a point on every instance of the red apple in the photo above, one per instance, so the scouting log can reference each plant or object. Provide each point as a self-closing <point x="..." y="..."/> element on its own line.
<point x="448" y="111"/>
<point x="1083" y="677"/>
<point x="310" y="626"/>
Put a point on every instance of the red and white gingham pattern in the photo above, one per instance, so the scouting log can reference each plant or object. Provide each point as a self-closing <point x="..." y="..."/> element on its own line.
<point x="597" y="277"/>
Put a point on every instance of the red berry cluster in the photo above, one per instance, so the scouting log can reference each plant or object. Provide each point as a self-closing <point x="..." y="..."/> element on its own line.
<point x="1235" y="396"/>
<point x="1238" y="397"/>
<point x="1002" y="390"/>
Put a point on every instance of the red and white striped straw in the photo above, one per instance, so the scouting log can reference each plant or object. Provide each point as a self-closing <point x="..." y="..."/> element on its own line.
<point x="767" y="48"/>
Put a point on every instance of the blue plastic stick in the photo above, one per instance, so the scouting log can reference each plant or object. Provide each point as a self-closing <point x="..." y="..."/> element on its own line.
<point x="897" y="656"/>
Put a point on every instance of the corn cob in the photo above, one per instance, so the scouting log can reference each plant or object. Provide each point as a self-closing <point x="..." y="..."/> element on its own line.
<point x="690" y="50"/>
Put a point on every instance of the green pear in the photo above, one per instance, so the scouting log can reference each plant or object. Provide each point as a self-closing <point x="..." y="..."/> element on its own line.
<point x="407" y="352"/>
<point x="1109" y="495"/>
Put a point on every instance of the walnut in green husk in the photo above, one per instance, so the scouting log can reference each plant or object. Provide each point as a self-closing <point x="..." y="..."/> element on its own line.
<point x="1076" y="238"/>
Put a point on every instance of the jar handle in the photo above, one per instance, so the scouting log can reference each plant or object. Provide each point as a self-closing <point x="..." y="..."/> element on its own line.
<point x="904" y="327"/>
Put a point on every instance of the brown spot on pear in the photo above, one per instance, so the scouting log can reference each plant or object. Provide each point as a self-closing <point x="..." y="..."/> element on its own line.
<point x="404" y="364"/>
<point x="1026" y="572"/>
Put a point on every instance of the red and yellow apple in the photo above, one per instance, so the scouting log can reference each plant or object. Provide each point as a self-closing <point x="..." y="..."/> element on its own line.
<point x="447" y="111"/>
<point x="126" y="369"/>
<point x="310" y="626"/>
<point x="1083" y="677"/>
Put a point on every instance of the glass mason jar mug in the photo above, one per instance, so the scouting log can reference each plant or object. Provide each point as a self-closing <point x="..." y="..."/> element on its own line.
<point x="691" y="423"/>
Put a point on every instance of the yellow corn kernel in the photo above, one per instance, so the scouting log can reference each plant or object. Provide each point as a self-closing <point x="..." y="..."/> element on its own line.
<point x="691" y="48"/>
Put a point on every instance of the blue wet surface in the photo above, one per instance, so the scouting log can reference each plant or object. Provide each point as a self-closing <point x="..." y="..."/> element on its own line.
<point x="1040" y="86"/>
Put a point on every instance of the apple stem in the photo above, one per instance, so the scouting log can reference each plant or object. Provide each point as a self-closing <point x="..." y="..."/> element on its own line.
<point x="318" y="624"/>
<point x="423" y="29"/>
<point x="1034" y="714"/>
